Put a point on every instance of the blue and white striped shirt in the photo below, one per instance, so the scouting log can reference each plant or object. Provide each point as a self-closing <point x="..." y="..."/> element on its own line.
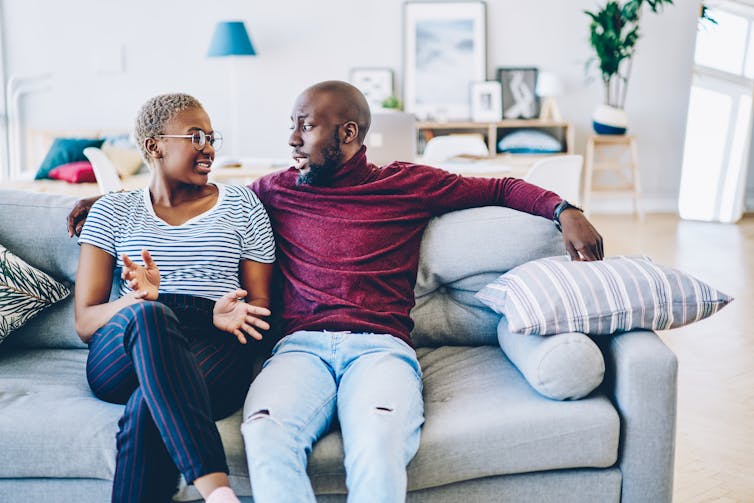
<point x="202" y="256"/>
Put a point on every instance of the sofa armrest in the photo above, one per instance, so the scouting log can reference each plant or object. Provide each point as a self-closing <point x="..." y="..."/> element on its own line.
<point x="641" y="376"/>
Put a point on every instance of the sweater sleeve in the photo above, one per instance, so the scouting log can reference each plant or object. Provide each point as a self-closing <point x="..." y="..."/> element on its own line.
<point x="446" y="192"/>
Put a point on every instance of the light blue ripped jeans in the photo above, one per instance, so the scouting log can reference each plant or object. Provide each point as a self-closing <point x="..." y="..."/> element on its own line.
<point x="373" y="383"/>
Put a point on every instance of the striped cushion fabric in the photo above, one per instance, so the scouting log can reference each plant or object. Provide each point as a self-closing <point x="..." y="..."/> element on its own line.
<point x="555" y="295"/>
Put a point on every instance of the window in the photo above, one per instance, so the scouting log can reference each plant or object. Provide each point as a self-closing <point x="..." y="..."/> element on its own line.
<point x="718" y="129"/>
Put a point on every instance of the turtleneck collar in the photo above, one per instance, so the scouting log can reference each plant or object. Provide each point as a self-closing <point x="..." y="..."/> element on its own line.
<point x="354" y="171"/>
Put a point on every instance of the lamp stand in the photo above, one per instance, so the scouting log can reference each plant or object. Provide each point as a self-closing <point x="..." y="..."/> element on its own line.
<point x="549" y="110"/>
<point x="233" y="98"/>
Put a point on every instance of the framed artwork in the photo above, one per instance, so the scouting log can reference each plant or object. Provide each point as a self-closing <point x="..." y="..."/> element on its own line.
<point x="444" y="52"/>
<point x="375" y="83"/>
<point x="519" y="97"/>
<point x="486" y="101"/>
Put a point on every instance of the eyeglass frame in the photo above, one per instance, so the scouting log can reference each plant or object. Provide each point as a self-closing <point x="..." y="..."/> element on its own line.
<point x="203" y="138"/>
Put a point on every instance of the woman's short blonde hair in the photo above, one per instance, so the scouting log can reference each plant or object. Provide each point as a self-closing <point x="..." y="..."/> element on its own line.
<point x="155" y="113"/>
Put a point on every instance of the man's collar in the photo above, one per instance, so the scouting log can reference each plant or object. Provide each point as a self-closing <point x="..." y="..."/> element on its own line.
<point x="354" y="171"/>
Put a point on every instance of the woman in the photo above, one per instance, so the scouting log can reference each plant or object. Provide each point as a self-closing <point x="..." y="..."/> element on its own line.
<point x="168" y="347"/>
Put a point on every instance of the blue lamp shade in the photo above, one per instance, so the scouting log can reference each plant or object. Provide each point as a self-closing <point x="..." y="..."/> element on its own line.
<point x="230" y="39"/>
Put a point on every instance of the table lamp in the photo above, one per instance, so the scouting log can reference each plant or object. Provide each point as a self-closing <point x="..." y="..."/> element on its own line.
<point x="549" y="86"/>
<point x="230" y="39"/>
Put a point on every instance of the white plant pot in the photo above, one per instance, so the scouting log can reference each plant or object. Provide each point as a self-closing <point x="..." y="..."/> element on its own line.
<point x="609" y="120"/>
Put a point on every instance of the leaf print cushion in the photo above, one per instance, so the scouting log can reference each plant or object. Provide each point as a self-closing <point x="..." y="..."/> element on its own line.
<point x="24" y="292"/>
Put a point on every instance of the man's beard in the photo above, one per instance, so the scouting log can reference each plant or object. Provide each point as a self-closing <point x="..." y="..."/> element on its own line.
<point x="321" y="174"/>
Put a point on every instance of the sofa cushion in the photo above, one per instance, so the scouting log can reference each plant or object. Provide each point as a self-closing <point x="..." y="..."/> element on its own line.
<point x="33" y="226"/>
<point x="471" y="430"/>
<point x="74" y="172"/>
<point x="52" y="425"/>
<point x="565" y="366"/>
<point x="64" y="151"/>
<point x="24" y="292"/>
<point x="127" y="160"/>
<point x="618" y="294"/>
<point x="482" y="419"/>
<point x="490" y="240"/>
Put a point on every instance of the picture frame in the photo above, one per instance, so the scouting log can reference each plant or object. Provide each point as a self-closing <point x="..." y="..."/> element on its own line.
<point x="486" y="101"/>
<point x="376" y="84"/>
<point x="519" y="97"/>
<point x="444" y="52"/>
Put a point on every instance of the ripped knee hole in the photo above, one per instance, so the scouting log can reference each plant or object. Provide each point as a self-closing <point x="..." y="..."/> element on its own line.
<point x="262" y="414"/>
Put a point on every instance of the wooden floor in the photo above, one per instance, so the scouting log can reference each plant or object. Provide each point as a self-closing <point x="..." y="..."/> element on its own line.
<point x="715" y="429"/>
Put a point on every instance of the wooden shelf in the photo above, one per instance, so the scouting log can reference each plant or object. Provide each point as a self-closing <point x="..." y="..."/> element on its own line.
<point x="492" y="131"/>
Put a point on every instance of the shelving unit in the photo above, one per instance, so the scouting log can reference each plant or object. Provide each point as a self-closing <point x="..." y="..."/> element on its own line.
<point x="494" y="131"/>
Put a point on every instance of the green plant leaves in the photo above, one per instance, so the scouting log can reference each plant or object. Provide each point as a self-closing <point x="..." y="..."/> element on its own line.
<point x="613" y="33"/>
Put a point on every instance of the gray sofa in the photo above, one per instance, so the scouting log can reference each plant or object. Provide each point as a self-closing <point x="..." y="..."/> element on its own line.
<point x="488" y="436"/>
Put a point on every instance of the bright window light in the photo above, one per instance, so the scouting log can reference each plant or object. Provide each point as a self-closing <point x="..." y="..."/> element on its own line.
<point x="723" y="46"/>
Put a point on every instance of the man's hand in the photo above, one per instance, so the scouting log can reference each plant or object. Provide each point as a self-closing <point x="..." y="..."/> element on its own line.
<point x="144" y="281"/>
<point x="239" y="318"/>
<point x="78" y="214"/>
<point x="581" y="239"/>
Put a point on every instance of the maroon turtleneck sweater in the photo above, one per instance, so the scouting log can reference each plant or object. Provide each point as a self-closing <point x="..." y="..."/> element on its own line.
<point x="349" y="252"/>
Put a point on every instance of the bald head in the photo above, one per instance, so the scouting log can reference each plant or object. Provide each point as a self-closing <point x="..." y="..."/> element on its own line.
<point x="345" y="101"/>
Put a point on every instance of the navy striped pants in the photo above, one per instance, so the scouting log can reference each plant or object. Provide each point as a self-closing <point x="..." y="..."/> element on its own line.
<point x="176" y="374"/>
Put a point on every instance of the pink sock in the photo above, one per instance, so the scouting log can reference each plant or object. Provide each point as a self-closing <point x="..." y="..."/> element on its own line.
<point x="222" y="495"/>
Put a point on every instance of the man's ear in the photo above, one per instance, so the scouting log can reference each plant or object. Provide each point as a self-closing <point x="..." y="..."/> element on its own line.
<point x="152" y="148"/>
<point x="350" y="132"/>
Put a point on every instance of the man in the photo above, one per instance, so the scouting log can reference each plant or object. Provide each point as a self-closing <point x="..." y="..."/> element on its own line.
<point x="348" y="236"/>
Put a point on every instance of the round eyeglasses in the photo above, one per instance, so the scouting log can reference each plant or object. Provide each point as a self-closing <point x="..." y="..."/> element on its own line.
<point x="199" y="139"/>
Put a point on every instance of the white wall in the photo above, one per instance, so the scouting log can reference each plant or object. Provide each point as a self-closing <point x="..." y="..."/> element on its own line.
<point x="300" y="42"/>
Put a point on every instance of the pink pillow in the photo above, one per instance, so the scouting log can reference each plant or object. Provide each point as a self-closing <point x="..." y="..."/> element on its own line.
<point x="74" y="172"/>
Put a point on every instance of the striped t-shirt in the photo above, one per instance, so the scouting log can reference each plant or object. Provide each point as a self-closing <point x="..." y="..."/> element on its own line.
<point x="202" y="256"/>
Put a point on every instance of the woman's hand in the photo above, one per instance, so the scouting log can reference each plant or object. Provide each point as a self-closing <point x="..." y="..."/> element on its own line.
<point x="233" y="315"/>
<point x="144" y="281"/>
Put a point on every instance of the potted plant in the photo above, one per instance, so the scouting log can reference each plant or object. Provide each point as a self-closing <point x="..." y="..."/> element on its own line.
<point x="613" y="33"/>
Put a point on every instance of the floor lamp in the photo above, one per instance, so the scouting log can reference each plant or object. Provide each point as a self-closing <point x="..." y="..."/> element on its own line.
<point x="230" y="39"/>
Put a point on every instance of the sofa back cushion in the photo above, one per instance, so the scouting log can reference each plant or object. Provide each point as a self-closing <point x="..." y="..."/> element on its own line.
<point x="33" y="227"/>
<point x="460" y="253"/>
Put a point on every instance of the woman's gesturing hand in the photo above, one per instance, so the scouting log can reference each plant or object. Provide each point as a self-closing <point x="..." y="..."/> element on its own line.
<point x="233" y="315"/>
<point x="143" y="280"/>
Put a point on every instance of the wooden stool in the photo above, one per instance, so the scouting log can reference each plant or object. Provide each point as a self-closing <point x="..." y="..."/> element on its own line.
<point x="616" y="155"/>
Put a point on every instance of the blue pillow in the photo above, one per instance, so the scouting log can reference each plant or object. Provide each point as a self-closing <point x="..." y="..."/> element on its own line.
<point x="529" y="141"/>
<point x="64" y="151"/>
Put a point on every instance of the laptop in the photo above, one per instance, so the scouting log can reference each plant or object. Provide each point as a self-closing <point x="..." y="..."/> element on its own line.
<point x="391" y="137"/>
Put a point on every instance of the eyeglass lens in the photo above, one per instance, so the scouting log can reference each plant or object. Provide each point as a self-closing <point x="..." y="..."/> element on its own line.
<point x="199" y="140"/>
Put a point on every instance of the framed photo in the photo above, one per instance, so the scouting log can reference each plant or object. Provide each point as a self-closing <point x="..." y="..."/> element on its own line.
<point x="375" y="83"/>
<point x="486" y="101"/>
<point x="519" y="97"/>
<point x="444" y="52"/>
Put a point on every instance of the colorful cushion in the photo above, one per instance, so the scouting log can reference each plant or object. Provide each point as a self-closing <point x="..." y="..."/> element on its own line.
<point x="529" y="141"/>
<point x="64" y="151"/>
<point x="556" y="295"/>
<point x="24" y="292"/>
<point x="74" y="172"/>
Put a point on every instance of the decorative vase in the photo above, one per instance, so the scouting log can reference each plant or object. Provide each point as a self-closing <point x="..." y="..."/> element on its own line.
<point x="609" y="120"/>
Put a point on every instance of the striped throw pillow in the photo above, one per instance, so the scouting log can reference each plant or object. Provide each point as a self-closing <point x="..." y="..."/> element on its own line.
<point x="555" y="295"/>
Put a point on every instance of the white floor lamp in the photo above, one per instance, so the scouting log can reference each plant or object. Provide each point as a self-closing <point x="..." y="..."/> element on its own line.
<point x="230" y="39"/>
